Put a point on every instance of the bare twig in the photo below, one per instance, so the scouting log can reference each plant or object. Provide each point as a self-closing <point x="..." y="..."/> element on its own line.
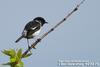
<point x="53" y="28"/>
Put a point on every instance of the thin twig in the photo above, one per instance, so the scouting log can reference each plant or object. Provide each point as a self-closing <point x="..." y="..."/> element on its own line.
<point x="53" y="28"/>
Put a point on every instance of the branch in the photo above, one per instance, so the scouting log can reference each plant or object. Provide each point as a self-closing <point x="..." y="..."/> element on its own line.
<point x="53" y="28"/>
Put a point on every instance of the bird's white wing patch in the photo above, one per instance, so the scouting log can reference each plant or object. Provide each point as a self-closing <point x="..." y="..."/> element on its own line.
<point x="34" y="28"/>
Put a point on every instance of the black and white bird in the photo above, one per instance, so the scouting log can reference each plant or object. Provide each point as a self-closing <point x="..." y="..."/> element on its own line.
<point x="32" y="29"/>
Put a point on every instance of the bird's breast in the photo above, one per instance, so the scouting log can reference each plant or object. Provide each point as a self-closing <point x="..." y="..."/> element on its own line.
<point x="36" y="33"/>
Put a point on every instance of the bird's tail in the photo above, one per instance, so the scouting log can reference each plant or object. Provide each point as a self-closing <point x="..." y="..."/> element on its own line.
<point x="19" y="39"/>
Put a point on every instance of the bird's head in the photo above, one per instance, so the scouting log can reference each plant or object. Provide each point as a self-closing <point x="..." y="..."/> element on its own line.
<point x="40" y="20"/>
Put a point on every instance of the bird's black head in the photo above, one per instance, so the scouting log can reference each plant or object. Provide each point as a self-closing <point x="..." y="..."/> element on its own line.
<point x="41" y="20"/>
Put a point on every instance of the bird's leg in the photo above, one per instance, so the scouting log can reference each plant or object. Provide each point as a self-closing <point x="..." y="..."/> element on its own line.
<point x="28" y="44"/>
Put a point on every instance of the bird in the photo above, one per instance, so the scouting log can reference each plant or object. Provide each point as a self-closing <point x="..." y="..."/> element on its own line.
<point x="32" y="29"/>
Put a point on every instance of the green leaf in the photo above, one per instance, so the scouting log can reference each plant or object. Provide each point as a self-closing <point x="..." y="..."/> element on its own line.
<point x="27" y="55"/>
<point x="19" y="53"/>
<point x="7" y="63"/>
<point x="10" y="52"/>
<point x="6" y="52"/>
<point x="13" y="59"/>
